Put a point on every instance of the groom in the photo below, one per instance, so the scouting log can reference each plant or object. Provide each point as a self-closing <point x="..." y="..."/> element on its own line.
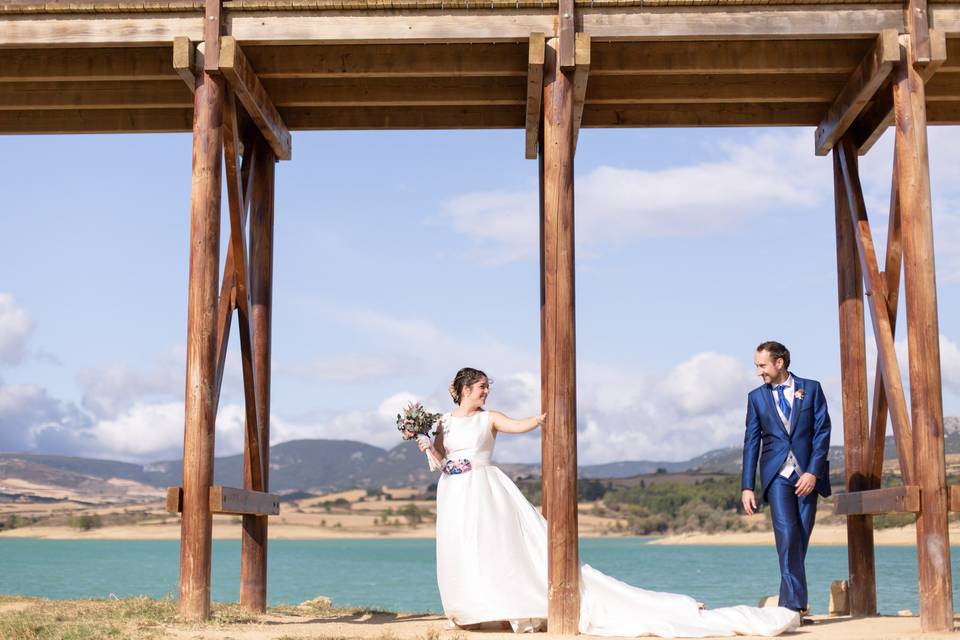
<point x="787" y="419"/>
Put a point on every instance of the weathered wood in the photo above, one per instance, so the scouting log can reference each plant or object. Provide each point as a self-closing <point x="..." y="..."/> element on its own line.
<point x="860" y="88"/>
<point x="853" y="374"/>
<point x="705" y="114"/>
<point x="566" y="32"/>
<point x="50" y="65"/>
<point x="891" y="276"/>
<point x="256" y="101"/>
<point x="199" y="412"/>
<point x="878" y="116"/>
<point x="253" y="554"/>
<point x="954" y="497"/>
<point x="243" y="502"/>
<point x="238" y="248"/>
<point x="212" y="30"/>
<point x="923" y="335"/>
<point x="580" y="76"/>
<point x="534" y="93"/>
<point x="227" y="500"/>
<point x="184" y="61"/>
<point x="877" y="297"/>
<point x="878" y="501"/>
<point x="157" y="94"/>
<point x="671" y="89"/>
<point x="559" y="345"/>
<point x="917" y="23"/>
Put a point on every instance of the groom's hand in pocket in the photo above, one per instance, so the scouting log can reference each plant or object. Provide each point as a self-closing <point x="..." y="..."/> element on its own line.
<point x="749" y="502"/>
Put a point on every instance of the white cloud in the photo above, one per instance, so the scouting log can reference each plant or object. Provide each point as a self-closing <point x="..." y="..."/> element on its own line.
<point x="16" y="325"/>
<point x="352" y="367"/>
<point x="614" y="205"/>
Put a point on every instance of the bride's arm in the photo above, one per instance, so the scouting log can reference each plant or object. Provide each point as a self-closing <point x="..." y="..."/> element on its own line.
<point x="500" y="422"/>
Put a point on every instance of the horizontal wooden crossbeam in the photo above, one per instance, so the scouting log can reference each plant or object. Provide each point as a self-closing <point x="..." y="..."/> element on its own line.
<point x="230" y="501"/>
<point x="255" y="99"/>
<point x="860" y="89"/>
<point x="878" y="501"/>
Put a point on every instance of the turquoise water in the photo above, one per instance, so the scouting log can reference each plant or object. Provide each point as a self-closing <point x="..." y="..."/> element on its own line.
<point x="401" y="574"/>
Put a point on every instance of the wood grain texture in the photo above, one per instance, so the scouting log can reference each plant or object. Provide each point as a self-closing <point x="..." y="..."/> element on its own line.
<point x="534" y="94"/>
<point x="904" y="499"/>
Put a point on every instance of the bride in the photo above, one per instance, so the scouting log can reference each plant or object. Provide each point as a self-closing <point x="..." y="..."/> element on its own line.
<point x="492" y="546"/>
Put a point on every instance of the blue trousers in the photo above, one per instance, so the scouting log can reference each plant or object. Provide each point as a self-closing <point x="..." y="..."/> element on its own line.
<point x="793" y="517"/>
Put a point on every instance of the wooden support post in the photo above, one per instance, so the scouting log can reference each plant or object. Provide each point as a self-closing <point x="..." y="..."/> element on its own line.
<point x="559" y="348"/>
<point x="253" y="553"/>
<point x="876" y="294"/>
<point x="199" y="410"/>
<point x="853" y="372"/>
<point x="923" y="340"/>
<point x="580" y="83"/>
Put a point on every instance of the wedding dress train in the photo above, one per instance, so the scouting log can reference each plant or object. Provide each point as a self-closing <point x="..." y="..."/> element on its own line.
<point x="492" y="560"/>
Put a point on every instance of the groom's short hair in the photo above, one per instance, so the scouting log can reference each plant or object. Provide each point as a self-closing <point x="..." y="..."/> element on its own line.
<point x="776" y="350"/>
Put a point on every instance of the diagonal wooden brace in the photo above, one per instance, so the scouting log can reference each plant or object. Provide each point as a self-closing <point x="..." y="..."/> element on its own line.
<point x="875" y="289"/>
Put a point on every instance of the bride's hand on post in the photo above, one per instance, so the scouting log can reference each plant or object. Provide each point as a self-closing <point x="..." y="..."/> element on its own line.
<point x="541" y="420"/>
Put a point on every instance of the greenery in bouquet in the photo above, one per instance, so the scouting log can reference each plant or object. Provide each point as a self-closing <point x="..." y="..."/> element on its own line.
<point x="414" y="420"/>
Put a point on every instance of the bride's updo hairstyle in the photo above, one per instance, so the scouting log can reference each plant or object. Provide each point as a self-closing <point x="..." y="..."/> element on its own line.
<point x="465" y="378"/>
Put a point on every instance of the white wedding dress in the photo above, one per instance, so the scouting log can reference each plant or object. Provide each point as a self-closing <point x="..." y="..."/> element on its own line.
<point x="492" y="561"/>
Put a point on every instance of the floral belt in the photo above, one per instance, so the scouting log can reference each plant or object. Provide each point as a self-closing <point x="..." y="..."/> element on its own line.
<point x="456" y="467"/>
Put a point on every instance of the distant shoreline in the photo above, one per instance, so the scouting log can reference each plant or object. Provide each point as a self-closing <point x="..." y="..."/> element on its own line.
<point x="823" y="535"/>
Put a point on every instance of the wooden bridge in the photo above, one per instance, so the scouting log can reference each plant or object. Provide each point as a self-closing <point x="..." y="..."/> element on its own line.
<point x="243" y="74"/>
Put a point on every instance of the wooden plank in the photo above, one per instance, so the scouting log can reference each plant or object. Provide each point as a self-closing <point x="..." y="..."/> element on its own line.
<point x="238" y="247"/>
<point x="49" y="65"/>
<point x="534" y="93"/>
<point x="694" y="89"/>
<point x="853" y="379"/>
<point x="580" y="76"/>
<point x="923" y="343"/>
<point x="397" y="92"/>
<point x="727" y="57"/>
<point x="243" y="502"/>
<point x="470" y="117"/>
<point x="878" y="501"/>
<point x="560" y="433"/>
<point x="253" y="550"/>
<point x="174" y="502"/>
<point x="877" y="298"/>
<point x="891" y="276"/>
<point x="860" y="88"/>
<point x="706" y="23"/>
<point x="199" y="412"/>
<point x="256" y="101"/>
<point x="944" y="87"/>
<point x="566" y="31"/>
<point x="184" y="61"/>
<point x="212" y="30"/>
<point x="227" y="500"/>
<point x="703" y="115"/>
<point x="917" y="23"/>
<point x="952" y="48"/>
<point x="954" y="497"/>
<point x="96" y="121"/>
<point x="156" y="94"/>
<point x="875" y="119"/>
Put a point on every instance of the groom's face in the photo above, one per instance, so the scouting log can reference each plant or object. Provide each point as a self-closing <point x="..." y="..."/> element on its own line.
<point x="769" y="370"/>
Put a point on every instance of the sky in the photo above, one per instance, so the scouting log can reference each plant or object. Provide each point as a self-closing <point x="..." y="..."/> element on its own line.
<point x="403" y="256"/>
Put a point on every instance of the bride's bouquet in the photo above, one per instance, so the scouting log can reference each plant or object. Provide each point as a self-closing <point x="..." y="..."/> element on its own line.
<point x="416" y="422"/>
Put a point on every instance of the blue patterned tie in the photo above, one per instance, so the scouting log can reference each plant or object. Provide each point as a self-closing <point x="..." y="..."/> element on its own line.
<point x="782" y="401"/>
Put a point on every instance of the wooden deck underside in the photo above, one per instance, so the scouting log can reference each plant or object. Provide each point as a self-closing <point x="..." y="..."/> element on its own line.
<point x="773" y="65"/>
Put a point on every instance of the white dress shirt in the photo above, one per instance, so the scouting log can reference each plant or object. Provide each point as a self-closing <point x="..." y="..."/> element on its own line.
<point x="789" y="386"/>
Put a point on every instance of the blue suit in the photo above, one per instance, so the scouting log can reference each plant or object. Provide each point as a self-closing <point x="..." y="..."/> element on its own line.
<point x="768" y="442"/>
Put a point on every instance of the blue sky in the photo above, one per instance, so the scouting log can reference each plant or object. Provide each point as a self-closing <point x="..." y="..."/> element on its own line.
<point x="401" y="256"/>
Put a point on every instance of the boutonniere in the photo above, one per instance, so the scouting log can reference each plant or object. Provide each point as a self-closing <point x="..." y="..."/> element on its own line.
<point x="798" y="394"/>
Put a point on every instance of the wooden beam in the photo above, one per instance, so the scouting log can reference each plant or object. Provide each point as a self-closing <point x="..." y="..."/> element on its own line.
<point x="118" y="64"/>
<point x="923" y="343"/>
<point x="227" y="500"/>
<point x="566" y="30"/>
<point x="853" y="379"/>
<point x="534" y="93"/>
<point x="673" y="89"/>
<point x="944" y="87"/>
<point x="954" y="497"/>
<point x="212" y="30"/>
<point x="253" y="550"/>
<point x="199" y="412"/>
<point x="256" y="101"/>
<point x="702" y="115"/>
<point x="238" y="247"/>
<point x="879" y="314"/>
<point x="96" y="121"/>
<point x="891" y="276"/>
<point x="184" y="61"/>
<point x="917" y="23"/>
<point x="397" y="92"/>
<point x="580" y="76"/>
<point x="36" y="96"/>
<point x="243" y="502"/>
<point x="878" y="116"/>
<point x="860" y="89"/>
<point x="878" y="501"/>
<point x="559" y="345"/>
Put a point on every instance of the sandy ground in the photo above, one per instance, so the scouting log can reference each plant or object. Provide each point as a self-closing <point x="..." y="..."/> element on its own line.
<point x="420" y="627"/>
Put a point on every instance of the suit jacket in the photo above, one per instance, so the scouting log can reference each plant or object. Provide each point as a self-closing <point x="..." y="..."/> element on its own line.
<point x="766" y="439"/>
